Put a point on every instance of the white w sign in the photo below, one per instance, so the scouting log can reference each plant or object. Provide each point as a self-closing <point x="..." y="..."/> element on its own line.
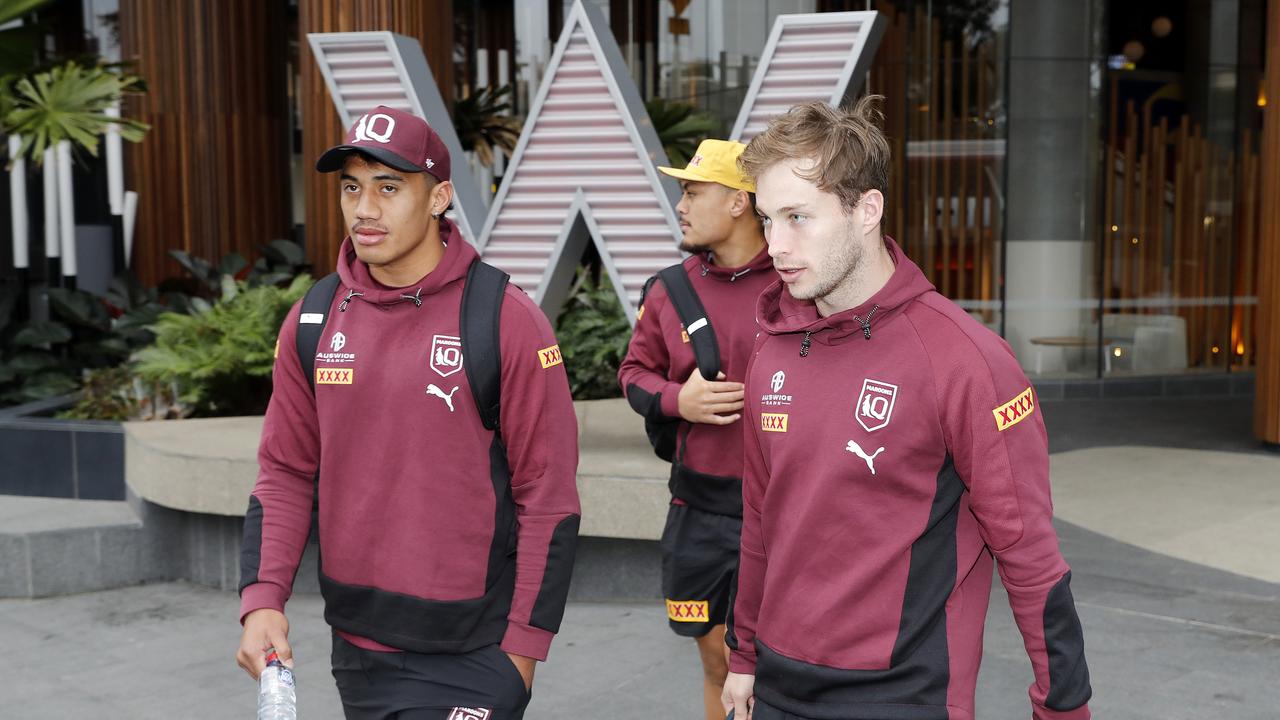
<point x="584" y="168"/>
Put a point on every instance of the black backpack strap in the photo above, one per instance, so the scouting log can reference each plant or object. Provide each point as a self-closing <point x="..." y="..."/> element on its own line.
<point x="689" y="308"/>
<point x="480" y="320"/>
<point x="644" y="291"/>
<point x="311" y="322"/>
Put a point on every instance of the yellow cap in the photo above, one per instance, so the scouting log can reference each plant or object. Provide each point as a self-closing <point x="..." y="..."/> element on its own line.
<point x="716" y="161"/>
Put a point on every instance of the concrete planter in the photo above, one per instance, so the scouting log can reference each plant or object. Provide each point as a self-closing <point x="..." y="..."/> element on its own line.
<point x="43" y="456"/>
<point x="209" y="466"/>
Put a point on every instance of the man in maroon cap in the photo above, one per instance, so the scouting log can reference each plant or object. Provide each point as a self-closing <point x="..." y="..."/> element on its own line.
<point x="446" y="546"/>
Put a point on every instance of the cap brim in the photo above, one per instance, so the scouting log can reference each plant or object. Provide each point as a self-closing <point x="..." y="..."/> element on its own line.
<point x="335" y="157"/>
<point x="683" y="174"/>
<point x="686" y="174"/>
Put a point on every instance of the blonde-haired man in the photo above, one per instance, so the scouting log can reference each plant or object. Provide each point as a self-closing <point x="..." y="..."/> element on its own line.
<point x="905" y="452"/>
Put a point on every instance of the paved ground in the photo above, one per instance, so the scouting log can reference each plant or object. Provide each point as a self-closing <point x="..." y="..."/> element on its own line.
<point x="1167" y="639"/>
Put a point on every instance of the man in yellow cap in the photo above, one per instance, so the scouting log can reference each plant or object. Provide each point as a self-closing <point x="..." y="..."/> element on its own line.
<point x="683" y="372"/>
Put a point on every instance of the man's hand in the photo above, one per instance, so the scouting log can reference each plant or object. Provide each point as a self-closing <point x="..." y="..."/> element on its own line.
<point x="264" y="628"/>
<point x="704" y="401"/>
<point x="526" y="667"/>
<point x="739" y="695"/>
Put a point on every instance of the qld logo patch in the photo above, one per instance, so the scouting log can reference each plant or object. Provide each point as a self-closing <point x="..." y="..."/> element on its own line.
<point x="469" y="713"/>
<point x="773" y="422"/>
<point x="688" y="610"/>
<point x="335" y="376"/>
<point x="550" y="357"/>
<point x="875" y="404"/>
<point x="1014" y="411"/>
<point x="446" y="354"/>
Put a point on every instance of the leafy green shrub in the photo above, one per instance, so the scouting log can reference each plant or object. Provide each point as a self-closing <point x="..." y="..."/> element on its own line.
<point x="105" y="394"/>
<point x="593" y="333"/>
<point x="220" y="358"/>
<point x="45" y="358"/>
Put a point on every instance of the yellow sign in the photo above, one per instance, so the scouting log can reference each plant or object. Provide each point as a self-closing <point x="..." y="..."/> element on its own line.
<point x="773" y="422"/>
<point x="688" y="611"/>
<point x="1014" y="411"/>
<point x="335" y="376"/>
<point x="550" y="356"/>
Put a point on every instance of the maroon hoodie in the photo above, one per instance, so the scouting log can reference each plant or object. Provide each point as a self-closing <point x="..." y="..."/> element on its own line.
<point x="707" y="470"/>
<point x="892" y="450"/>
<point x="436" y="535"/>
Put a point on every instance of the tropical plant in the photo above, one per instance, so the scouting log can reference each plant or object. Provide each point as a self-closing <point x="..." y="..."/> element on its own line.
<point x="220" y="359"/>
<point x="69" y="102"/>
<point x="46" y="358"/>
<point x="105" y="394"/>
<point x="86" y="333"/>
<point x="593" y="332"/>
<point x="484" y="123"/>
<point x="680" y="127"/>
<point x="280" y="262"/>
<point x="18" y="45"/>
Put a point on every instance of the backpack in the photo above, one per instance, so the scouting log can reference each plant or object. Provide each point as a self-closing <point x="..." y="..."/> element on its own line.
<point x="664" y="434"/>
<point x="479" y="322"/>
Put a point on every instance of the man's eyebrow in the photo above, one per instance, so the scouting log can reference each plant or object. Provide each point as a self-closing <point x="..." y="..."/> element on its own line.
<point x="349" y="177"/>
<point x="388" y="178"/>
<point x="785" y="209"/>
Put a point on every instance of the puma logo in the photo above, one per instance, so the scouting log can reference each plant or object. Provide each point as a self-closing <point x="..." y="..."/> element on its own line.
<point x="448" y="399"/>
<point x="856" y="449"/>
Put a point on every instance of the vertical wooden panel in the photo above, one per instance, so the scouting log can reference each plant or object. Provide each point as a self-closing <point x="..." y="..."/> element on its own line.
<point x="1266" y="403"/>
<point x="430" y="22"/>
<point x="212" y="176"/>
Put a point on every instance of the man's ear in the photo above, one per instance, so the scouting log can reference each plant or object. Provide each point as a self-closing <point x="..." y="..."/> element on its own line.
<point x="741" y="204"/>
<point x="872" y="205"/>
<point x="440" y="198"/>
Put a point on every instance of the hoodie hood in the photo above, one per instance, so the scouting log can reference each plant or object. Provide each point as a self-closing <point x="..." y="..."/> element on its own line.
<point x="778" y="313"/>
<point x="359" y="282"/>
<point x="759" y="264"/>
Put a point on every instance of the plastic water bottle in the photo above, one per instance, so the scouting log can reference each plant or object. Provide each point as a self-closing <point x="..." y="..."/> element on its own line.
<point x="277" y="699"/>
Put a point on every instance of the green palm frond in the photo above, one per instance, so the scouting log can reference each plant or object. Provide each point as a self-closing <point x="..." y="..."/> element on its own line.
<point x="69" y="102"/>
<point x="11" y="10"/>
<point x="484" y="123"/>
<point x="680" y="127"/>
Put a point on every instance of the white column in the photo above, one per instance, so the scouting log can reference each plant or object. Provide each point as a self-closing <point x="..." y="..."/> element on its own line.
<point x="130" y="214"/>
<point x="52" y="239"/>
<point x="1053" y="163"/>
<point x="18" y="204"/>
<point x="115" y="163"/>
<point x="66" y="210"/>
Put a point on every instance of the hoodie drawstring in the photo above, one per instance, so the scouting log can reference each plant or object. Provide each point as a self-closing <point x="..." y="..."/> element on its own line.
<point x="342" y="306"/>
<point x="415" y="298"/>
<point x="732" y="277"/>
<point x="866" y="324"/>
<point x="806" y="343"/>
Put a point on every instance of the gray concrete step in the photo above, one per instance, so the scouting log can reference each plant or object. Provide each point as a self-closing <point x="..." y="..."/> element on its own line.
<point x="54" y="546"/>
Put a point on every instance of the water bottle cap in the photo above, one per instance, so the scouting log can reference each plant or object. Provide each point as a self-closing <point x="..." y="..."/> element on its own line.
<point x="272" y="657"/>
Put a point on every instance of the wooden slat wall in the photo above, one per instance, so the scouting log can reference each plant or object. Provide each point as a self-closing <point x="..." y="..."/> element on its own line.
<point x="1267" y="399"/>
<point x="429" y="21"/>
<point x="941" y="209"/>
<point x="1176" y="187"/>
<point x="212" y="176"/>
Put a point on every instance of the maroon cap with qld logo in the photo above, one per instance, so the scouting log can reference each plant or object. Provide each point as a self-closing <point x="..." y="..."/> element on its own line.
<point x="394" y="138"/>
